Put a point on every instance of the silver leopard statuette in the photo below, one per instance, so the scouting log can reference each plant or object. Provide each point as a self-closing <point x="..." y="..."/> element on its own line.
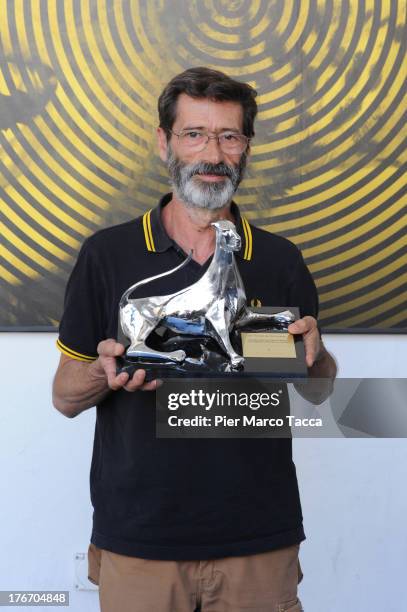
<point x="212" y="307"/>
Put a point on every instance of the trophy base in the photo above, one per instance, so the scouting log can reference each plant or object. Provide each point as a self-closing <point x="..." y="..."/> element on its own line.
<point x="268" y="352"/>
<point x="203" y="359"/>
<point x="165" y="370"/>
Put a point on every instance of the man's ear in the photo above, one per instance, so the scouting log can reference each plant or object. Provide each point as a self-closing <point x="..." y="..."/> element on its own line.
<point x="162" y="144"/>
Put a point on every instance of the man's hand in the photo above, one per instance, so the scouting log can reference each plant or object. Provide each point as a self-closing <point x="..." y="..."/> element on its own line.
<point x="80" y="385"/>
<point x="108" y="350"/>
<point x="321" y="363"/>
<point x="307" y="326"/>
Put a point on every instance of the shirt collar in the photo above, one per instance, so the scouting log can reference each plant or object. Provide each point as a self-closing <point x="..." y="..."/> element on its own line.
<point x="158" y="241"/>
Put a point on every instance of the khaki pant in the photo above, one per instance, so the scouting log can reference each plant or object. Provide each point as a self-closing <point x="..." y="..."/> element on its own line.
<point x="265" y="582"/>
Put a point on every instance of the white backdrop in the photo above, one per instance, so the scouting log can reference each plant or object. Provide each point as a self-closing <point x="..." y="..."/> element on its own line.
<point x="354" y="492"/>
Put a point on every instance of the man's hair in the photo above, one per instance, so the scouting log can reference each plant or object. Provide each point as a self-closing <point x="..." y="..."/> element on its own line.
<point x="201" y="82"/>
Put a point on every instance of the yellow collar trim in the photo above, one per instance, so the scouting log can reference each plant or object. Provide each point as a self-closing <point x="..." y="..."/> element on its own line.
<point x="248" y="239"/>
<point x="148" y="234"/>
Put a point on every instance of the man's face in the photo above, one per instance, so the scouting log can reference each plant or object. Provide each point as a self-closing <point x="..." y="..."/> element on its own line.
<point x="207" y="178"/>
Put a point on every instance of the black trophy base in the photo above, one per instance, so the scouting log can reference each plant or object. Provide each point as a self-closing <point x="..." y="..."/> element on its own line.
<point x="203" y="359"/>
<point x="268" y="352"/>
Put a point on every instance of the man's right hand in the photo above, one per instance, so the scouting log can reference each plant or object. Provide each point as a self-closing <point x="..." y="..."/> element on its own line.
<point x="79" y="385"/>
<point x="108" y="350"/>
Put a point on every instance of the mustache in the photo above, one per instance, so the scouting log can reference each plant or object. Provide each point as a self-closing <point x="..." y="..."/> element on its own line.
<point x="220" y="169"/>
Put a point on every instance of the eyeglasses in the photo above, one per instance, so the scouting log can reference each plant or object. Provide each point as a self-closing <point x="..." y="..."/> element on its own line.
<point x="197" y="140"/>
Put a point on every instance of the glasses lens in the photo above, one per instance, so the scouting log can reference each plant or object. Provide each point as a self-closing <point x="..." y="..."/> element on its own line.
<point x="193" y="139"/>
<point x="232" y="143"/>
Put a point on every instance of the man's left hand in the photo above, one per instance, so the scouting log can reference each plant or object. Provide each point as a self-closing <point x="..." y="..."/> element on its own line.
<point x="307" y="326"/>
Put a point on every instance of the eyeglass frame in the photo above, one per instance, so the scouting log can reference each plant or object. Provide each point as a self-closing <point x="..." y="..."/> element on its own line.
<point x="216" y="136"/>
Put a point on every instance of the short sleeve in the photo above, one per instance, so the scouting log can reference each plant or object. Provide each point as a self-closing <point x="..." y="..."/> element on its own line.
<point x="302" y="290"/>
<point x="82" y="326"/>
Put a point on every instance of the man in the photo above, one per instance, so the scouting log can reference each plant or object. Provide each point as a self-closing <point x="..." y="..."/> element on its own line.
<point x="177" y="524"/>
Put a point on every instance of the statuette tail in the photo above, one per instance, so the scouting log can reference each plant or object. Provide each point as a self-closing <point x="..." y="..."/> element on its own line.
<point x="144" y="281"/>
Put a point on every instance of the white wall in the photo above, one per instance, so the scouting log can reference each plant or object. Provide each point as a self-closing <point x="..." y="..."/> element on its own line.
<point x="353" y="490"/>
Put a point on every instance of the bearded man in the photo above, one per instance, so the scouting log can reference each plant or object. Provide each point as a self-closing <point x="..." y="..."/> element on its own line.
<point x="186" y="524"/>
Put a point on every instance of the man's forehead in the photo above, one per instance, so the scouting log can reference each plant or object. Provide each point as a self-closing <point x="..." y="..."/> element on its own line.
<point x="204" y="112"/>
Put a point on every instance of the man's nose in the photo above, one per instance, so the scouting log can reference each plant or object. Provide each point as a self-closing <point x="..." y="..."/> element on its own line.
<point x="212" y="152"/>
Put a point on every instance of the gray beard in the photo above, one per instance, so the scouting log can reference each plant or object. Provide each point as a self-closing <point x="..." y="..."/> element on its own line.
<point x="196" y="193"/>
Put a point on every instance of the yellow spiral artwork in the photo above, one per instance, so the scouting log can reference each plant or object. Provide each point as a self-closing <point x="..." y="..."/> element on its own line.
<point x="79" y="81"/>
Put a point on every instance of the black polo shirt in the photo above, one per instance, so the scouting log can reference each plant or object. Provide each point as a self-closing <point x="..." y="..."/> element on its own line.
<point x="176" y="499"/>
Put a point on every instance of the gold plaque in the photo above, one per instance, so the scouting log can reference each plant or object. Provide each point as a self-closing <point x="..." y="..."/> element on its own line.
<point x="266" y="344"/>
